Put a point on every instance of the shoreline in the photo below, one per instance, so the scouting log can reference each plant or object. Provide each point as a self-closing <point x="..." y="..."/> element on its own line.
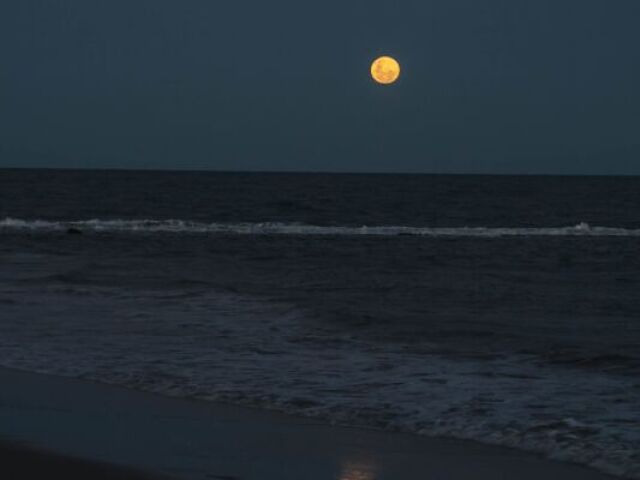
<point x="105" y="427"/>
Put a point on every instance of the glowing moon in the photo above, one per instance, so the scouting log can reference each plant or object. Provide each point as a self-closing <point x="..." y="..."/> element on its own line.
<point x="385" y="70"/>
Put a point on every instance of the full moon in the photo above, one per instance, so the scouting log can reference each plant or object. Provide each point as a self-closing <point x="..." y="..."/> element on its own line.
<point x="385" y="70"/>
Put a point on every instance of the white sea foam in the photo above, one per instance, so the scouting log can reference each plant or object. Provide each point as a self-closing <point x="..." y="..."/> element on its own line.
<point x="233" y="348"/>
<point x="275" y="228"/>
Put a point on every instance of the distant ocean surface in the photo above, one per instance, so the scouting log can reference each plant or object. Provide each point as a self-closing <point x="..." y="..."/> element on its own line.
<point x="500" y="309"/>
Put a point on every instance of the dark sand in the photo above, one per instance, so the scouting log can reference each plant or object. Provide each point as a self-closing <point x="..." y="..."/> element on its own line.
<point x="24" y="463"/>
<point x="198" y="440"/>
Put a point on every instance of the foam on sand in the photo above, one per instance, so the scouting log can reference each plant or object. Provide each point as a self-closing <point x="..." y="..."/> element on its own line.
<point x="237" y="349"/>
<point x="202" y="441"/>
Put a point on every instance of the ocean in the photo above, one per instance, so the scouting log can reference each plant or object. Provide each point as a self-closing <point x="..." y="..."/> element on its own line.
<point x="502" y="309"/>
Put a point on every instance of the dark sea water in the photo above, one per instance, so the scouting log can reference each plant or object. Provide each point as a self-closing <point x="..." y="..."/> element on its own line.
<point x="501" y="309"/>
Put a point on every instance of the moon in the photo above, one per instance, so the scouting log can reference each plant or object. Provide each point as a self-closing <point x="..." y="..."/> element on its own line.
<point x="385" y="70"/>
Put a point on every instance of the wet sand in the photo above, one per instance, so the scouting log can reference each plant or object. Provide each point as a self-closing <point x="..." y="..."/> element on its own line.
<point x="19" y="462"/>
<point x="111" y="428"/>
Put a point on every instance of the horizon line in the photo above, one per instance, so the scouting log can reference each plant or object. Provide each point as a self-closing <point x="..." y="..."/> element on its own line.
<point x="318" y="172"/>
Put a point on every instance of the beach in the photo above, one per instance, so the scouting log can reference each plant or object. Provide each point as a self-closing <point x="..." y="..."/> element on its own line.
<point x="319" y="240"/>
<point x="312" y="296"/>
<point x="116" y="432"/>
<point x="21" y="462"/>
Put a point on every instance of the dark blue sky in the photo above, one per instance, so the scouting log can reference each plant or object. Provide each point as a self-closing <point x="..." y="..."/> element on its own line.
<point x="491" y="86"/>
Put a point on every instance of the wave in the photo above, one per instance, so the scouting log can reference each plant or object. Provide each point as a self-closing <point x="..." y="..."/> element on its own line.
<point x="294" y="228"/>
<point x="225" y="347"/>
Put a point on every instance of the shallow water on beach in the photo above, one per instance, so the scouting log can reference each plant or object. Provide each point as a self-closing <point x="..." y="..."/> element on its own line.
<point x="501" y="309"/>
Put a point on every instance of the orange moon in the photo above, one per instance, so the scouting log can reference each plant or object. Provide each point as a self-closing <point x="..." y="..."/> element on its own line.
<point x="385" y="70"/>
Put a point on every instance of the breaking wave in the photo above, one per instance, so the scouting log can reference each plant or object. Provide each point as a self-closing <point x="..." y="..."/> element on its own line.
<point x="277" y="228"/>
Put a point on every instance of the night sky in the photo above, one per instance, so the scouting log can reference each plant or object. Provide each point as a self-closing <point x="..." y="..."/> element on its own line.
<point x="491" y="86"/>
